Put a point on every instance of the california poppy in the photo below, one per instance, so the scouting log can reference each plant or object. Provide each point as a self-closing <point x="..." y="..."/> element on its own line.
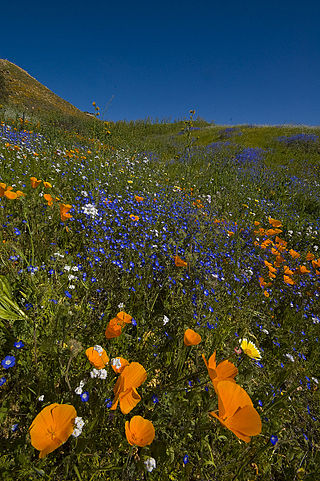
<point x="9" y="194"/>
<point x="2" y="188"/>
<point x="48" y="198"/>
<point x="309" y="255"/>
<point x="236" y="411"/>
<point x="47" y="185"/>
<point x="134" y="217"/>
<point x="64" y="211"/>
<point x="288" y="280"/>
<point x="97" y="356"/>
<point x="294" y="254"/>
<point x="191" y="338"/>
<point x="275" y="223"/>
<point x="138" y="198"/>
<point x="114" y="328"/>
<point x="139" y="431"/>
<point x="125" y="389"/>
<point x="225" y="371"/>
<point x="35" y="182"/>
<point x="179" y="262"/>
<point x="52" y="427"/>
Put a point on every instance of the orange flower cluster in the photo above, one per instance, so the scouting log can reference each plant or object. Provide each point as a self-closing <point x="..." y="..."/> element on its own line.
<point x="278" y="248"/>
<point x="235" y="408"/>
<point x="6" y="191"/>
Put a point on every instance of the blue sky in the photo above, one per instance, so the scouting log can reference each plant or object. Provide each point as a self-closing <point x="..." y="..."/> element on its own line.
<point x="233" y="62"/>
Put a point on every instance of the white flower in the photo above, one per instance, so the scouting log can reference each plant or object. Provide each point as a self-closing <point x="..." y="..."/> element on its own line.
<point x="98" y="348"/>
<point x="76" y="432"/>
<point x="71" y="286"/>
<point x="78" y="390"/>
<point x="102" y="374"/>
<point x="67" y="268"/>
<point x="121" y="305"/>
<point x="165" y="320"/>
<point x="116" y="362"/>
<point x="94" y="373"/>
<point x="314" y="379"/>
<point x="290" y="357"/>
<point x="79" y="422"/>
<point x="150" y="464"/>
<point x="75" y="268"/>
<point x="41" y="398"/>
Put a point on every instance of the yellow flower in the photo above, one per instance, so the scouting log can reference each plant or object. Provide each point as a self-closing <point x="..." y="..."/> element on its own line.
<point x="250" y="349"/>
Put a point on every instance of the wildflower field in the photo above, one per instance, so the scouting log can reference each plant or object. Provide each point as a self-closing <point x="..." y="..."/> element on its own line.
<point x="159" y="302"/>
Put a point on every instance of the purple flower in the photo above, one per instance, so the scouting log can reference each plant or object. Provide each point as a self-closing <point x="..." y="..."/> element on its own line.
<point x="8" y="361"/>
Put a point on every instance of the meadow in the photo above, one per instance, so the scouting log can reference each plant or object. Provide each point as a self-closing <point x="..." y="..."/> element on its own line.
<point x="131" y="252"/>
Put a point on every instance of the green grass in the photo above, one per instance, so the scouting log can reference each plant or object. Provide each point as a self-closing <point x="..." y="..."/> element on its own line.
<point x="200" y="203"/>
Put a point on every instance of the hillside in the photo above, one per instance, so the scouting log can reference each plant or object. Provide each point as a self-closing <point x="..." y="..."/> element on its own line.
<point x="22" y="93"/>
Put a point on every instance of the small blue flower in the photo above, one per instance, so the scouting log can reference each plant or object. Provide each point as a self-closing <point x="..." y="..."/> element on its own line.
<point x="155" y="399"/>
<point x="2" y="381"/>
<point x="273" y="439"/>
<point x="133" y="322"/>
<point x="18" y="344"/>
<point x="67" y="294"/>
<point x="14" y="427"/>
<point x="8" y="361"/>
<point x="185" y="459"/>
<point x="108" y="402"/>
<point x="84" y="396"/>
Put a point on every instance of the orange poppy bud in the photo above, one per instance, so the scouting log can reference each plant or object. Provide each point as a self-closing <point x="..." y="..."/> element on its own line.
<point x="35" y="182"/>
<point x="236" y="411"/>
<point x="97" y="356"/>
<point x="179" y="262"/>
<point x="139" y="431"/>
<point x="191" y="338"/>
<point x="52" y="427"/>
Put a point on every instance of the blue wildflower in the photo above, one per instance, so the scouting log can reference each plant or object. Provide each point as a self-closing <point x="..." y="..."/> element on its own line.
<point x="8" y="361"/>
<point x="185" y="459"/>
<point x="273" y="439"/>
<point x="2" y="381"/>
<point x="84" y="396"/>
<point x="18" y="344"/>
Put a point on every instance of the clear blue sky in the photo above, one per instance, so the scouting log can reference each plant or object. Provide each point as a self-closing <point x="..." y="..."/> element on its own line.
<point x="233" y="61"/>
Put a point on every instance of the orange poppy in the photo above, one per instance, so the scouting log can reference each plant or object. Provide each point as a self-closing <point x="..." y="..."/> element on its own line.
<point x="275" y="222"/>
<point x="20" y="194"/>
<point x="263" y="283"/>
<point x="280" y="241"/>
<point x="191" y="338"/>
<point x="52" y="427"/>
<point x="97" y="356"/>
<point x="10" y="195"/>
<point x="114" y="328"/>
<point x="236" y="411"/>
<point x="134" y="217"/>
<point x="287" y="271"/>
<point x="47" y="185"/>
<point x="225" y="371"/>
<point x="309" y="255"/>
<point x="2" y="189"/>
<point x="316" y="263"/>
<point x="125" y="389"/>
<point x="139" y="431"/>
<point x="64" y="211"/>
<point x="273" y="231"/>
<point x="35" y="182"/>
<point x="294" y="254"/>
<point x="138" y="198"/>
<point x="302" y="270"/>
<point x="179" y="262"/>
<point x="288" y="280"/>
<point x="48" y="198"/>
<point x="118" y="364"/>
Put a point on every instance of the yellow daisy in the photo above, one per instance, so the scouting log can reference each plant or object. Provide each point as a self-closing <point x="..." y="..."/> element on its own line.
<point x="250" y="349"/>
